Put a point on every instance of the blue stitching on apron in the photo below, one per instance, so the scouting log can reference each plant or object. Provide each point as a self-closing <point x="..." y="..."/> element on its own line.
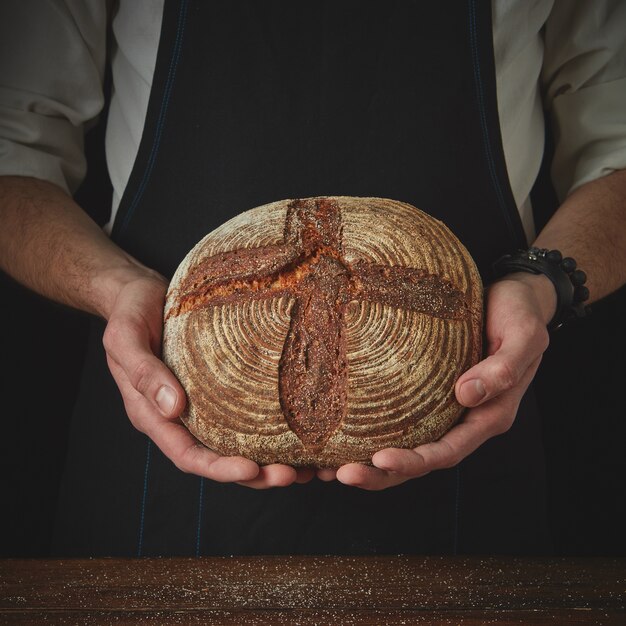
<point x="200" y="499"/>
<point x="143" y="498"/>
<point x="162" y="113"/>
<point x="155" y="147"/>
<point x="483" y="118"/>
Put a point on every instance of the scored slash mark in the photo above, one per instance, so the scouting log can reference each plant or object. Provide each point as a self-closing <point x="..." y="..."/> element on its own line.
<point x="311" y="267"/>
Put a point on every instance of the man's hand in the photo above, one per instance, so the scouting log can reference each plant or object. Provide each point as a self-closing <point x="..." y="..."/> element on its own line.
<point x="518" y="309"/>
<point x="49" y="244"/>
<point x="154" y="398"/>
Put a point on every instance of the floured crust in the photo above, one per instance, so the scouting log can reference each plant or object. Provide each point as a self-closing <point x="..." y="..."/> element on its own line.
<point x="317" y="331"/>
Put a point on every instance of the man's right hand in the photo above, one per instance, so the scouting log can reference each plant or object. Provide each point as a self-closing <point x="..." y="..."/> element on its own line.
<point x="153" y="397"/>
<point x="48" y="243"/>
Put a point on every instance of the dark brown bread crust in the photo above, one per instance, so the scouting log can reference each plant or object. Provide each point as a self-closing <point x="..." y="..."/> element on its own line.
<point x="309" y="268"/>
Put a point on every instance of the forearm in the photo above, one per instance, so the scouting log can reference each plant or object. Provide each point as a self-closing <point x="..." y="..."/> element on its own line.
<point x="590" y="226"/>
<point x="50" y="245"/>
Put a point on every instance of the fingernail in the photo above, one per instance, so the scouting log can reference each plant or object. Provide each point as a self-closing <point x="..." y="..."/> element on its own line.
<point x="166" y="399"/>
<point x="473" y="391"/>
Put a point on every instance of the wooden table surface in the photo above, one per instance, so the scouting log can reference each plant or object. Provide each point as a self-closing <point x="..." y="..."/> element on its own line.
<point x="314" y="590"/>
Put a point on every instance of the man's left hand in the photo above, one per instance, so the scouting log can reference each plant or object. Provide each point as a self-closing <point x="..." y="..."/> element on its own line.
<point x="518" y="309"/>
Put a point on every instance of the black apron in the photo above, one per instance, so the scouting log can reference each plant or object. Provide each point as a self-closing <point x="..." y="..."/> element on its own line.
<point x="255" y="101"/>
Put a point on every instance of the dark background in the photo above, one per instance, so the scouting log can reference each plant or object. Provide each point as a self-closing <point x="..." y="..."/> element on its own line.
<point x="580" y="386"/>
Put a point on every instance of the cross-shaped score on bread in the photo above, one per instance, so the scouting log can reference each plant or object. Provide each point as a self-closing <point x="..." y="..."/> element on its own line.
<point x="311" y="266"/>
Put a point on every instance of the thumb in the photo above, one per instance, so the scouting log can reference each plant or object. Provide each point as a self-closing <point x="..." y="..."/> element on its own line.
<point x="127" y="342"/>
<point x="521" y="346"/>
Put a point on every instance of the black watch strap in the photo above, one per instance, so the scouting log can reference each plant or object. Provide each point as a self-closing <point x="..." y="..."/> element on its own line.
<point x="568" y="281"/>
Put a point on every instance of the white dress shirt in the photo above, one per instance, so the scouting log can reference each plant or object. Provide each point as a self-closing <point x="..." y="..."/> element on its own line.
<point x="569" y="57"/>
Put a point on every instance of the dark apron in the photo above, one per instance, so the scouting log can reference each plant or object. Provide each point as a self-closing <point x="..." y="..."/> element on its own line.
<point x="255" y="101"/>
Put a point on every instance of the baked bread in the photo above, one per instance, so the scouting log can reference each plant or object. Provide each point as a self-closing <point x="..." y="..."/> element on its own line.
<point x="317" y="331"/>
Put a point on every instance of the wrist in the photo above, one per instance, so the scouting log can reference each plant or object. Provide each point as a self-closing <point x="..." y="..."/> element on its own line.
<point x="543" y="291"/>
<point x="108" y="283"/>
<point x="568" y="281"/>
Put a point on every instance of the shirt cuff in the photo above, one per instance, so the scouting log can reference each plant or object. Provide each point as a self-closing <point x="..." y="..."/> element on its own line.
<point x="48" y="148"/>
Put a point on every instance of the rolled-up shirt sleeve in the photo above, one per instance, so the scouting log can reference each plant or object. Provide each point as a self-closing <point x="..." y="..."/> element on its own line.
<point x="52" y="56"/>
<point x="584" y="78"/>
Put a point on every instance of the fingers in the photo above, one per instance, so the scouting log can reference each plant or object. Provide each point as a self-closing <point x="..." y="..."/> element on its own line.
<point x="189" y="455"/>
<point x="362" y="476"/>
<point x="274" y="475"/>
<point x="127" y="343"/>
<point x="520" y="346"/>
<point x="277" y="475"/>
<point x="176" y="442"/>
<point x="368" y="478"/>
<point x="327" y="474"/>
<point x="402" y="461"/>
<point x="153" y="398"/>
<point x="480" y="424"/>
<point x="393" y="466"/>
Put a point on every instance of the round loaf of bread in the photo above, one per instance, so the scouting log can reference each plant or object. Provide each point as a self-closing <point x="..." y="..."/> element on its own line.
<point x="317" y="331"/>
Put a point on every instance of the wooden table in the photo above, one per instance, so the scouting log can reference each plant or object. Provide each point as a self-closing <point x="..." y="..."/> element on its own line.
<point x="314" y="590"/>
